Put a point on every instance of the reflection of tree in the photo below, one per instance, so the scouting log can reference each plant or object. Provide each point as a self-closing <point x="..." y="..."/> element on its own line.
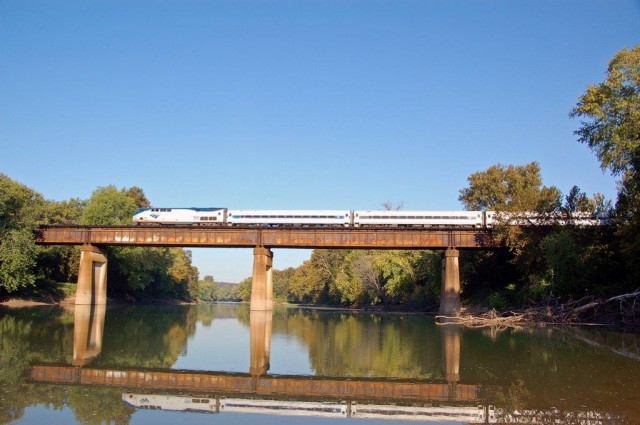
<point x="24" y="336"/>
<point x="539" y="370"/>
<point x="365" y="345"/>
<point x="98" y="406"/>
<point x="163" y="332"/>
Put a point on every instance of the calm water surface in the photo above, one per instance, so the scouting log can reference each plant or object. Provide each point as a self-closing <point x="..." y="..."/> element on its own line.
<point x="220" y="363"/>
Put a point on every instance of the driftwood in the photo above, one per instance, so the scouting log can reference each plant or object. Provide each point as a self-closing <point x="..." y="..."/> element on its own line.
<point x="600" y="312"/>
<point x="595" y="304"/>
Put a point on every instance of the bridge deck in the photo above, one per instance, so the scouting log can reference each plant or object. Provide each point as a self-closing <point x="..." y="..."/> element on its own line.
<point x="274" y="237"/>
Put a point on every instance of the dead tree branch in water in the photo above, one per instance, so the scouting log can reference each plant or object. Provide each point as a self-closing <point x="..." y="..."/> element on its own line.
<point x="599" y="312"/>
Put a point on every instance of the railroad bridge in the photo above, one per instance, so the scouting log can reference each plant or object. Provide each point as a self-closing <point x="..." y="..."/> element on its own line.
<point x="92" y="275"/>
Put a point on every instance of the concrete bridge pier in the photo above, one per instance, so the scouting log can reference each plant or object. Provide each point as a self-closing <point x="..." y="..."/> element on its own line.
<point x="450" y="292"/>
<point x="260" y="341"/>
<point x="92" y="276"/>
<point x="88" y="327"/>
<point x="262" y="281"/>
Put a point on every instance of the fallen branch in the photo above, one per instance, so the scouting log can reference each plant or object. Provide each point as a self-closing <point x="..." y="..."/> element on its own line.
<point x="569" y="313"/>
<point x="594" y="304"/>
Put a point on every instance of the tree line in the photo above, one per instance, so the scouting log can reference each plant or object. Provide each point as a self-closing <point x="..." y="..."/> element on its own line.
<point x="133" y="272"/>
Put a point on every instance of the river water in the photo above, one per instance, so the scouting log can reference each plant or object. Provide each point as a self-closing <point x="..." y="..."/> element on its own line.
<point x="222" y="364"/>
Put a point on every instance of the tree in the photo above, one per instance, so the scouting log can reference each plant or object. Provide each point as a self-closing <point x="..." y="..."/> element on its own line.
<point x="138" y="196"/>
<point x="512" y="189"/>
<point x="109" y="206"/>
<point x="610" y="126"/>
<point x="21" y="211"/>
<point x="17" y="260"/>
<point x="207" y="289"/>
<point x="610" y="114"/>
<point x="390" y="206"/>
<point x="515" y="188"/>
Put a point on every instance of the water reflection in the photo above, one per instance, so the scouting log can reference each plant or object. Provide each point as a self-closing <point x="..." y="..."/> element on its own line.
<point x="260" y="323"/>
<point x="335" y="409"/>
<point x="367" y="365"/>
<point x="87" y="332"/>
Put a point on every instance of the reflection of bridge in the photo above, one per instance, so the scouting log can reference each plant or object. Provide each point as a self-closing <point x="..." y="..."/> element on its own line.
<point x="88" y="331"/>
<point x="89" y="325"/>
<point x="296" y="387"/>
<point x="92" y="273"/>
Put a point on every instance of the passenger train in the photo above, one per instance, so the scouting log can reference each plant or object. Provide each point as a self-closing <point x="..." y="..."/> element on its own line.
<point x="346" y="218"/>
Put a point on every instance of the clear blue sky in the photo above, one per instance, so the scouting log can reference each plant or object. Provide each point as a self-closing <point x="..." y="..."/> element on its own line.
<point x="336" y="104"/>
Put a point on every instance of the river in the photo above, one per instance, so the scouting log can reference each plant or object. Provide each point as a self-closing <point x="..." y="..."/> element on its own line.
<point x="221" y="363"/>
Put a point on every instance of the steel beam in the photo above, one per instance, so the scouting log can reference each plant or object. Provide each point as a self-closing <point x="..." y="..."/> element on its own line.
<point x="276" y="237"/>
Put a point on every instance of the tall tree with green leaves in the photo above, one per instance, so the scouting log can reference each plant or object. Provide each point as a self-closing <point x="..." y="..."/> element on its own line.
<point x="609" y="115"/>
<point x="512" y="189"/>
<point x="21" y="211"/>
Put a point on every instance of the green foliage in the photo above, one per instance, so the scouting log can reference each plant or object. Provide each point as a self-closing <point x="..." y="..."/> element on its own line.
<point x="207" y="289"/>
<point x="562" y="255"/>
<point x="509" y="188"/>
<point x="152" y="272"/>
<point x="17" y="260"/>
<point x="21" y="210"/>
<point x="542" y="262"/>
<point x="281" y="283"/>
<point x="314" y="280"/>
<point x="496" y="301"/>
<point x="243" y="290"/>
<point x="109" y="206"/>
<point x="20" y="206"/>
<point x="360" y="277"/>
<point x="358" y="281"/>
<point x="610" y="113"/>
<point x="610" y="126"/>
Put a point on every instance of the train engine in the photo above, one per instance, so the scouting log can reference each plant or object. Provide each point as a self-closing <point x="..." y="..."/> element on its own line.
<point x="181" y="216"/>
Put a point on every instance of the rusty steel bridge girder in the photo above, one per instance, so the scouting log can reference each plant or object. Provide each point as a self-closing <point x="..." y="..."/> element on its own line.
<point x="272" y="237"/>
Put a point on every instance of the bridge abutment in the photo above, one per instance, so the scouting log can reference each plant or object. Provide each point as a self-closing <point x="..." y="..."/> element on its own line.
<point x="92" y="276"/>
<point x="450" y="292"/>
<point x="262" y="280"/>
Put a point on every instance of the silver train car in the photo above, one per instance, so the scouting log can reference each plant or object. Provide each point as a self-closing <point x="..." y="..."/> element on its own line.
<point x="313" y="218"/>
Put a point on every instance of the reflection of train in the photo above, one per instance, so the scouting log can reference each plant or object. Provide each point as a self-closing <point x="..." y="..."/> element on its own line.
<point x="349" y="218"/>
<point x="169" y="402"/>
<point x="330" y="409"/>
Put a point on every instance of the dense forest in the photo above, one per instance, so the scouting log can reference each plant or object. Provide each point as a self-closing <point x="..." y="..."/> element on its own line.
<point x="537" y="264"/>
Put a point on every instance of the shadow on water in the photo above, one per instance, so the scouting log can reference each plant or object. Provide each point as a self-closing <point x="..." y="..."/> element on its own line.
<point x="105" y="364"/>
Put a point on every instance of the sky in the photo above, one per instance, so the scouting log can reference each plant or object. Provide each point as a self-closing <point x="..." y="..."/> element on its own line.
<point x="299" y="104"/>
